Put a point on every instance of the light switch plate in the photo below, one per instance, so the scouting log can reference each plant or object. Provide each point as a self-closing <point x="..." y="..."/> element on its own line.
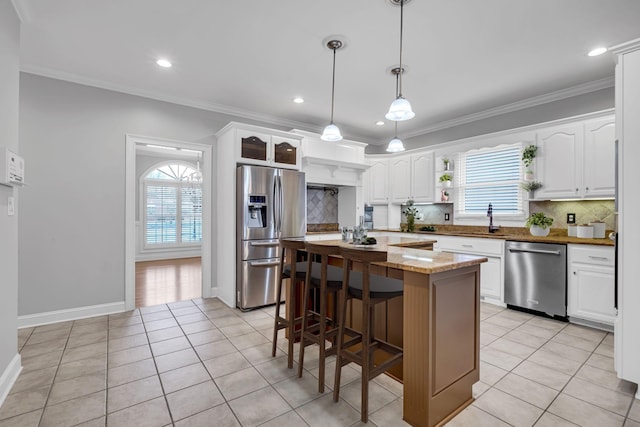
<point x="11" y="206"/>
<point x="446" y="217"/>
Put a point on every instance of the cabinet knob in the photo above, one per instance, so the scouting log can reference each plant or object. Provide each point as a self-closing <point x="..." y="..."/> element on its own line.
<point x="587" y="189"/>
<point x="574" y="273"/>
<point x="576" y="190"/>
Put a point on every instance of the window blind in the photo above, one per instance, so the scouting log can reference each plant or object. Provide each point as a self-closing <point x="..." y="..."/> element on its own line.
<point x="490" y="176"/>
<point x="161" y="213"/>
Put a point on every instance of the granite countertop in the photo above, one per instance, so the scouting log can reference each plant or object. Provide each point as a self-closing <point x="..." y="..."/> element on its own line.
<point x="521" y="234"/>
<point x="402" y="253"/>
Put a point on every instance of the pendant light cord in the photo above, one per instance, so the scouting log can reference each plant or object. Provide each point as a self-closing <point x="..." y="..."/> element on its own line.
<point x="401" y="30"/>
<point x="333" y="82"/>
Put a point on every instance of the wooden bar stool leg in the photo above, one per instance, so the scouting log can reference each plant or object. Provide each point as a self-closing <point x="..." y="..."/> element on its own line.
<point x="322" y="322"/>
<point x="276" y="325"/>
<point x="305" y="320"/>
<point x="341" y="325"/>
<point x="291" y="312"/>
<point x="366" y="341"/>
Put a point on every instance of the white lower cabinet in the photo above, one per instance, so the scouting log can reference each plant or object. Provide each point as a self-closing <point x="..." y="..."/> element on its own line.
<point x="491" y="272"/>
<point x="591" y="282"/>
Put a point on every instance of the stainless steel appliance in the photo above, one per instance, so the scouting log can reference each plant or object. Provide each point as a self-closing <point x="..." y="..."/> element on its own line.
<point x="271" y="203"/>
<point x="536" y="277"/>
<point x="368" y="217"/>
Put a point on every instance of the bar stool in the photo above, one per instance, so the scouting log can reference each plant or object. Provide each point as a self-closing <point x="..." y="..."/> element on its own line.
<point x="327" y="280"/>
<point x="371" y="290"/>
<point x="296" y="271"/>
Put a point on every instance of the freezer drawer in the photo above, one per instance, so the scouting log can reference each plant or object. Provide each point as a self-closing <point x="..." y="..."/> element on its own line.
<point x="260" y="249"/>
<point x="257" y="282"/>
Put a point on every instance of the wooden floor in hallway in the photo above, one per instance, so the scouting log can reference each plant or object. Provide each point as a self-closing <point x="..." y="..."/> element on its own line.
<point x="166" y="281"/>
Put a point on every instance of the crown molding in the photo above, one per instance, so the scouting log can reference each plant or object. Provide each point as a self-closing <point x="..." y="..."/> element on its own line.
<point x="626" y="47"/>
<point x="22" y="10"/>
<point x="187" y="102"/>
<point x="515" y="106"/>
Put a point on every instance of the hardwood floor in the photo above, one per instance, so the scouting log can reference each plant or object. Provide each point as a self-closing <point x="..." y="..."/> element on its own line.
<point x="165" y="281"/>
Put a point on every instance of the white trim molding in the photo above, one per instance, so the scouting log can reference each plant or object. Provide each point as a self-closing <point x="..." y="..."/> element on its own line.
<point x="9" y="377"/>
<point x="45" y="318"/>
<point x="22" y="10"/>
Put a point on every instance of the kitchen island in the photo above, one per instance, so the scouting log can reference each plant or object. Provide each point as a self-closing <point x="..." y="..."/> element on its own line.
<point x="440" y="324"/>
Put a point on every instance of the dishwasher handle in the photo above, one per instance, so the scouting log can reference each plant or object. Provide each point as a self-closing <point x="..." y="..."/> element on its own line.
<point x="535" y="251"/>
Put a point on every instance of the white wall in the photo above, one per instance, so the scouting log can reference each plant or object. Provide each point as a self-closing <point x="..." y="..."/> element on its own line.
<point x="72" y="213"/>
<point x="9" y="85"/>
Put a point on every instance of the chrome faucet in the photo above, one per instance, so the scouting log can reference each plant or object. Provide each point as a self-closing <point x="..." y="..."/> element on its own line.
<point x="492" y="228"/>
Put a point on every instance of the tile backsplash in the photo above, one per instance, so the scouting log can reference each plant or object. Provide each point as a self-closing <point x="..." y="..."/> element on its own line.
<point x="432" y="214"/>
<point x="585" y="210"/>
<point x="322" y="205"/>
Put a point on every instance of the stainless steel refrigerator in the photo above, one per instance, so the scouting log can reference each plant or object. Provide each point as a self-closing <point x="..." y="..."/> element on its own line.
<point x="271" y="204"/>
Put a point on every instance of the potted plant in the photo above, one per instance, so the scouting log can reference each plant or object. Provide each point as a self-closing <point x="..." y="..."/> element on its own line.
<point x="539" y="224"/>
<point x="530" y="187"/>
<point x="447" y="163"/>
<point x="445" y="179"/>
<point x="410" y="212"/>
<point x="528" y="154"/>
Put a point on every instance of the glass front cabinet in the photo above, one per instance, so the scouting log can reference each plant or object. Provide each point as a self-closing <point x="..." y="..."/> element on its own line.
<point x="268" y="150"/>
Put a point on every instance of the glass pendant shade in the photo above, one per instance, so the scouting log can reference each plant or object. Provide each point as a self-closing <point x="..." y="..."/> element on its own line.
<point x="400" y="110"/>
<point x="331" y="133"/>
<point x="395" y="145"/>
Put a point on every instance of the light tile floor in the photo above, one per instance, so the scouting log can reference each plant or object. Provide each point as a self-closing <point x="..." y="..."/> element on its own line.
<point x="200" y="363"/>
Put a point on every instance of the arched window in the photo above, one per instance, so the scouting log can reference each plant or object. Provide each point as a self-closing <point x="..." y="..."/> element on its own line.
<point x="172" y="194"/>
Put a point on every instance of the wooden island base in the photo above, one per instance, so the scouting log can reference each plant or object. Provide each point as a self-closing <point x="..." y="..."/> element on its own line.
<point x="441" y="333"/>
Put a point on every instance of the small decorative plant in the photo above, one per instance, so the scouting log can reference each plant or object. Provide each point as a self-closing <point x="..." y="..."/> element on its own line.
<point x="446" y="162"/>
<point x="528" y="154"/>
<point x="445" y="177"/>
<point x="410" y="212"/>
<point x="531" y="185"/>
<point x="539" y="224"/>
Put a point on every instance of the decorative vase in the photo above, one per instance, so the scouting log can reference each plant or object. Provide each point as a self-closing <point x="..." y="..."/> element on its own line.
<point x="528" y="175"/>
<point x="411" y="223"/>
<point x="444" y="196"/>
<point x="447" y="183"/>
<point x="447" y="166"/>
<point x="531" y="195"/>
<point x="539" y="231"/>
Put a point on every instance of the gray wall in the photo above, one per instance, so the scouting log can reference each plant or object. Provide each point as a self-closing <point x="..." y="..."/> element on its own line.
<point x="586" y="103"/>
<point x="9" y="85"/>
<point x="72" y="215"/>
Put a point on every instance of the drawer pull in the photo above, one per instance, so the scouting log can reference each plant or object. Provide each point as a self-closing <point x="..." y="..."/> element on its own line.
<point x="467" y="246"/>
<point x="264" y="264"/>
<point x="267" y="244"/>
<point x="601" y="258"/>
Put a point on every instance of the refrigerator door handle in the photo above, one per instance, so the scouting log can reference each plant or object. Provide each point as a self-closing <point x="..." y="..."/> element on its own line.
<point x="274" y="196"/>
<point x="264" y="263"/>
<point x="269" y="244"/>
<point x="281" y="206"/>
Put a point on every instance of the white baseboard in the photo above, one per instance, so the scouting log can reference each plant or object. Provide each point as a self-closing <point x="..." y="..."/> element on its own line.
<point x="69" y="314"/>
<point x="9" y="377"/>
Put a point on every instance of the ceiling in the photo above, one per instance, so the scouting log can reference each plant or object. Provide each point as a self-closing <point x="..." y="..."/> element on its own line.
<point x="463" y="58"/>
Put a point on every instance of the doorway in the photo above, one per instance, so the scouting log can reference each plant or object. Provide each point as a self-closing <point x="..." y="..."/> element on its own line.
<point x="169" y="272"/>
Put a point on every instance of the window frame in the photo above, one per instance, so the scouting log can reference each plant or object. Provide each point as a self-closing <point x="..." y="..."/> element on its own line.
<point x="179" y="185"/>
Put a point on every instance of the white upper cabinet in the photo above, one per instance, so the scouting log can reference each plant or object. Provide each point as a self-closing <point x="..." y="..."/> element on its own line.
<point x="411" y="177"/>
<point x="599" y="173"/>
<point x="376" y="190"/>
<point x="400" y="179"/>
<point x="422" y="183"/>
<point x="559" y="152"/>
<point x="577" y="160"/>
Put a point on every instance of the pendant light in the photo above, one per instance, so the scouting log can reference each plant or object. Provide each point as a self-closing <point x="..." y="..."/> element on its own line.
<point x="400" y="108"/>
<point x="396" y="145"/>
<point x="331" y="132"/>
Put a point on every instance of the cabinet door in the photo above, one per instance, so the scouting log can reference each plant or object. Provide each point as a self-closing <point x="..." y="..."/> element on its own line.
<point x="253" y="147"/>
<point x="591" y="293"/>
<point x="559" y="152"/>
<point x="422" y="178"/>
<point x="599" y="158"/>
<point x="286" y="152"/>
<point x="378" y="181"/>
<point x="491" y="279"/>
<point x="400" y="179"/>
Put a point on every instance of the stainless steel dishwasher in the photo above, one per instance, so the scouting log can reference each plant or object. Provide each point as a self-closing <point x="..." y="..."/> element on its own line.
<point x="536" y="277"/>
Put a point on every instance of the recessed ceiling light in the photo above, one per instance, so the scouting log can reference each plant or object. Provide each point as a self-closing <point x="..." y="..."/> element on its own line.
<point x="298" y="100"/>
<point x="379" y="123"/>
<point x="597" y="51"/>
<point x="164" y="63"/>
